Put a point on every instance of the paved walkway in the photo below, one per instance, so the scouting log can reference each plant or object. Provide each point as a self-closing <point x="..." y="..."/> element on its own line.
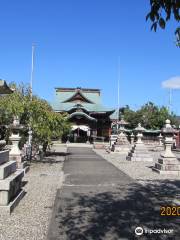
<point x="100" y="202"/>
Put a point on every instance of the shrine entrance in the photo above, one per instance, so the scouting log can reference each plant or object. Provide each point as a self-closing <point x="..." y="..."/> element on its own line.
<point x="80" y="133"/>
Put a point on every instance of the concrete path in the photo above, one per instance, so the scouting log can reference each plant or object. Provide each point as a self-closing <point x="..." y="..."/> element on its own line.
<point x="99" y="202"/>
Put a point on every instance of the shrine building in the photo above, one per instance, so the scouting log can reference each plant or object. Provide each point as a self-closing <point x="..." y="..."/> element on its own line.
<point x="88" y="116"/>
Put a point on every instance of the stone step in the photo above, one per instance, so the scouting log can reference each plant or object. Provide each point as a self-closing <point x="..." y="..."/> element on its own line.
<point x="168" y="161"/>
<point x="121" y="149"/>
<point x="24" y="166"/>
<point x="140" y="155"/>
<point x="10" y="187"/>
<point x="7" y="168"/>
<point x="167" y="167"/>
<point x="4" y="156"/>
<point x="175" y="173"/>
<point x="141" y="149"/>
<point x="121" y="152"/>
<point x="141" y="159"/>
<point x="6" y="210"/>
<point x="5" y="184"/>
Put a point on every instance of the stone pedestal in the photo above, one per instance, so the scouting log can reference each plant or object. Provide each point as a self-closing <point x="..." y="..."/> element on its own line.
<point x="10" y="183"/>
<point x="121" y="146"/>
<point x="139" y="152"/>
<point x="168" y="163"/>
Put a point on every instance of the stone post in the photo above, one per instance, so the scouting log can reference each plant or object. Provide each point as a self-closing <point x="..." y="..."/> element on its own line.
<point x="132" y="138"/>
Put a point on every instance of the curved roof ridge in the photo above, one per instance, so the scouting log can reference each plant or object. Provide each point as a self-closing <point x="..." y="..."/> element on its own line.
<point x="83" y="114"/>
<point x="75" y="106"/>
<point x="78" y="91"/>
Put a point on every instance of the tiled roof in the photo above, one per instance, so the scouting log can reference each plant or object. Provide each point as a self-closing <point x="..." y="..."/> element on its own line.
<point x="63" y="96"/>
<point x="4" y="88"/>
<point x="88" y="106"/>
<point x="114" y="116"/>
<point x="59" y="103"/>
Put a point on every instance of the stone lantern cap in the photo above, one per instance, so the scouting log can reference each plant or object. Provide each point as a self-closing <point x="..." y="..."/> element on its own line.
<point x="123" y="122"/>
<point x="16" y="126"/>
<point x="139" y="128"/>
<point x="168" y="128"/>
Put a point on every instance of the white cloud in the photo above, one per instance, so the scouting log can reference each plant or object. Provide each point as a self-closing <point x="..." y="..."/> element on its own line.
<point x="173" y="83"/>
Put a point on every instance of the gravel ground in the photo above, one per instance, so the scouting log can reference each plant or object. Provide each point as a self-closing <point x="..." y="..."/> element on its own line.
<point x="30" y="219"/>
<point x="140" y="171"/>
<point x="164" y="187"/>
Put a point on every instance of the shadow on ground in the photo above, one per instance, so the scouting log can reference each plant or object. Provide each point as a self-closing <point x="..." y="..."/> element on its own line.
<point x="114" y="214"/>
<point x="52" y="157"/>
<point x="54" y="154"/>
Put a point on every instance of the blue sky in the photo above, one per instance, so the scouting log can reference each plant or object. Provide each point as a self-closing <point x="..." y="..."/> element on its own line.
<point x="78" y="44"/>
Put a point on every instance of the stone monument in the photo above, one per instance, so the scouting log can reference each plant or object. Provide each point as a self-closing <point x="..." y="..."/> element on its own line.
<point x="168" y="163"/>
<point x="139" y="152"/>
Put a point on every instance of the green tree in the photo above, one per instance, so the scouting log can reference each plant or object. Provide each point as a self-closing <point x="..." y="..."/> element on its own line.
<point x="149" y="115"/>
<point x="161" y="12"/>
<point x="130" y="116"/>
<point x="38" y="114"/>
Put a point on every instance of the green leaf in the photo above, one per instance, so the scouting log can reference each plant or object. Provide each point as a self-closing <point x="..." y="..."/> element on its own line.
<point x="154" y="26"/>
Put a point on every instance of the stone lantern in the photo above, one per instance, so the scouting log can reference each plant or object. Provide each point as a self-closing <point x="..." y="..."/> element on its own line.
<point x="168" y="133"/>
<point x="132" y="138"/>
<point x="160" y="137"/>
<point x="139" y="129"/>
<point x="139" y="152"/>
<point x="121" y="145"/>
<point x="168" y="163"/>
<point x="160" y="146"/>
<point x="15" y="152"/>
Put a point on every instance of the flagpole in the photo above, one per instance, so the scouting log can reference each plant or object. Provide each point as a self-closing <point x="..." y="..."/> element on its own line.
<point x="170" y="99"/>
<point x="118" y="84"/>
<point x="31" y="96"/>
<point x="32" y="70"/>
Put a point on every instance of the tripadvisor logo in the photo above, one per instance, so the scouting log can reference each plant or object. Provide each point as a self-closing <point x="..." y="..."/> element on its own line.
<point x="139" y="231"/>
